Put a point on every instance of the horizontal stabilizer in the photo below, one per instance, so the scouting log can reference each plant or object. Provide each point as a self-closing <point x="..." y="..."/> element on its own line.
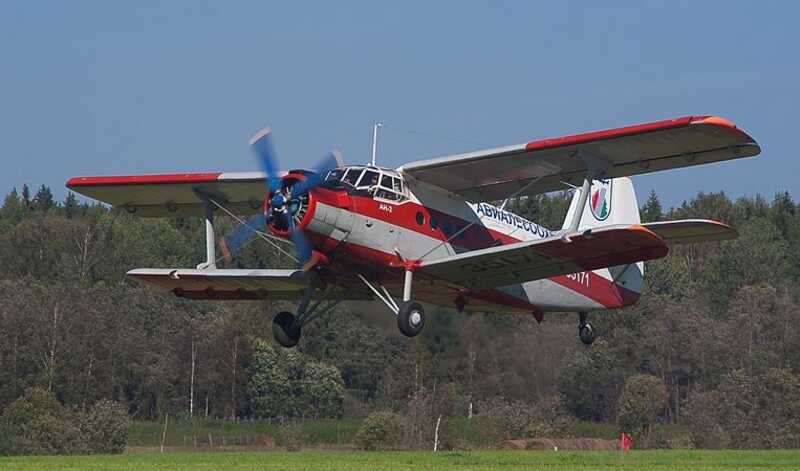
<point x="505" y="265"/>
<point x="689" y="231"/>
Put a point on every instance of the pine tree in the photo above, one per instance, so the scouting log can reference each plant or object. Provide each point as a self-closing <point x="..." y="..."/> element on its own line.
<point x="651" y="211"/>
<point x="26" y="195"/>
<point x="43" y="200"/>
<point x="12" y="207"/>
<point x="71" y="205"/>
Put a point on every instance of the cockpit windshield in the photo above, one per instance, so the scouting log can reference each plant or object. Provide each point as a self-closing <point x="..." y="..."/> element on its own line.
<point x="376" y="182"/>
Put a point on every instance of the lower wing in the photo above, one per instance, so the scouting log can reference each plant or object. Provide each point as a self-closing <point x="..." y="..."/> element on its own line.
<point x="232" y="284"/>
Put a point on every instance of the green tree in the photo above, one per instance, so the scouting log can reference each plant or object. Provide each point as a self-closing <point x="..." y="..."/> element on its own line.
<point x="37" y="424"/>
<point x="43" y="200"/>
<point x="105" y="427"/>
<point x="71" y="205"/>
<point x="761" y="410"/>
<point x="379" y="430"/>
<point x="760" y="254"/>
<point x="642" y="400"/>
<point x="26" y="195"/>
<point x="651" y="211"/>
<point x="285" y="383"/>
<point x="590" y="381"/>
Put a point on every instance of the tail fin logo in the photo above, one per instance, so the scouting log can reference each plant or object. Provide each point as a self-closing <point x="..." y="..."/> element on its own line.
<point x="600" y="202"/>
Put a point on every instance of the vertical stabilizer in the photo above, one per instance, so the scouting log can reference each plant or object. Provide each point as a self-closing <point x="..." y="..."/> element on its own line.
<point x="611" y="202"/>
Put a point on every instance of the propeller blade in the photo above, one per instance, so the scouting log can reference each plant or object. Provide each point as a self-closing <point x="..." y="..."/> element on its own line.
<point x="298" y="239"/>
<point x="232" y="244"/>
<point x="264" y="149"/>
<point x="330" y="162"/>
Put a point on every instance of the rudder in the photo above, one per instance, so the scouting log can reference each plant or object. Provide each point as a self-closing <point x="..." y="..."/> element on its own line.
<point x="612" y="202"/>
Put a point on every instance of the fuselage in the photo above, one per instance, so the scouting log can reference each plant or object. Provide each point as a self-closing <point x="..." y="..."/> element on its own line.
<point x="376" y="231"/>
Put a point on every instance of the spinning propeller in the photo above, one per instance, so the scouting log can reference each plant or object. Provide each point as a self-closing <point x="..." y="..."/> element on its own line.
<point x="287" y="200"/>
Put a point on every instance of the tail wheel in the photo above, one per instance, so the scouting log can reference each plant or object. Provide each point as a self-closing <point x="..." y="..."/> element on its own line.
<point x="586" y="333"/>
<point x="585" y="330"/>
<point x="411" y="318"/>
<point x="285" y="330"/>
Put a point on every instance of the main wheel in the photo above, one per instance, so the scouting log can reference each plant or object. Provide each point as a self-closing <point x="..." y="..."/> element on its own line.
<point x="411" y="318"/>
<point x="284" y="329"/>
<point x="586" y="333"/>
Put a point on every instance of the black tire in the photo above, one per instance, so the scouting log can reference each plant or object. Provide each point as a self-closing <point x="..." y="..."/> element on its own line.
<point x="411" y="318"/>
<point x="586" y="333"/>
<point x="284" y="329"/>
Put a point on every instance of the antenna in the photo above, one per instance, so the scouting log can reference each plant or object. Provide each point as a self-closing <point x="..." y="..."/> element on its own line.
<point x="375" y="140"/>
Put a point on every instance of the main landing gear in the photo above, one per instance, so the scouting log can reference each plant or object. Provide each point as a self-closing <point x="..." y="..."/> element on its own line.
<point x="410" y="318"/>
<point x="287" y="327"/>
<point x="585" y="330"/>
<point x="410" y="314"/>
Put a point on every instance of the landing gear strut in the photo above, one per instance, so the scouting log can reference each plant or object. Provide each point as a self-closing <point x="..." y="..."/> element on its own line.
<point x="585" y="330"/>
<point x="287" y="327"/>
<point x="410" y="314"/>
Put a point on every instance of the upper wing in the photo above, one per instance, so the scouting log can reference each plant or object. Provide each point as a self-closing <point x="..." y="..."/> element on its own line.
<point x="546" y="165"/>
<point x="229" y="284"/>
<point x="689" y="231"/>
<point x="535" y="260"/>
<point x="177" y="194"/>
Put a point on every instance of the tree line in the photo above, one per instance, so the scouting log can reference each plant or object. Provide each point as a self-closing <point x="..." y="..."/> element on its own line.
<point x="717" y="327"/>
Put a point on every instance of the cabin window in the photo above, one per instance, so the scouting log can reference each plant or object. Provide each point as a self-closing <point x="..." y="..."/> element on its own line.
<point x="351" y="176"/>
<point x="391" y="188"/>
<point x="368" y="179"/>
<point x="420" y="219"/>
<point x="434" y="222"/>
<point x="335" y="175"/>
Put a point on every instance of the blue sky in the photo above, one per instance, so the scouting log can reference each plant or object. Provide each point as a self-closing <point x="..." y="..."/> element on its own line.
<point x="141" y="87"/>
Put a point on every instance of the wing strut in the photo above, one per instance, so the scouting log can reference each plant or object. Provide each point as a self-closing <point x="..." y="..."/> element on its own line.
<point x="596" y="167"/>
<point x="211" y="243"/>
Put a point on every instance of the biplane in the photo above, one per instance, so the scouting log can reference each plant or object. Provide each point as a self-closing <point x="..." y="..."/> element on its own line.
<point x="435" y="232"/>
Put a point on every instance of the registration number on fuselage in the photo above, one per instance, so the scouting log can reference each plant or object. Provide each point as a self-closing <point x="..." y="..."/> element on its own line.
<point x="580" y="277"/>
<point x="385" y="207"/>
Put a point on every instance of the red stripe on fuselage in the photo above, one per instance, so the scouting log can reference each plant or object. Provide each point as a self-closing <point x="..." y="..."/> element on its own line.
<point x="599" y="289"/>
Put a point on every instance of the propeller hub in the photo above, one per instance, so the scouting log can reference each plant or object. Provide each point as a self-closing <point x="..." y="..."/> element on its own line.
<point x="286" y="211"/>
<point x="278" y="201"/>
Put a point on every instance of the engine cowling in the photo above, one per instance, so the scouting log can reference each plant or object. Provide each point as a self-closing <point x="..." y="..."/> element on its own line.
<point x="282" y="204"/>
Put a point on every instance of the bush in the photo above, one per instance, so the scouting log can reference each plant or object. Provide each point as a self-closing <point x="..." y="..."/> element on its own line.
<point x="293" y="435"/>
<point x="761" y="410"/>
<point x="702" y="412"/>
<point x="643" y="399"/>
<point x="380" y="430"/>
<point x="500" y="419"/>
<point x="288" y="384"/>
<point x="37" y="424"/>
<point x="105" y="427"/>
<point x="550" y="419"/>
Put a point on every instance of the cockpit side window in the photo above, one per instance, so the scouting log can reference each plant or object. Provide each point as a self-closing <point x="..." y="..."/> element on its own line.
<point x="368" y="179"/>
<point x="351" y="176"/>
<point x="335" y="175"/>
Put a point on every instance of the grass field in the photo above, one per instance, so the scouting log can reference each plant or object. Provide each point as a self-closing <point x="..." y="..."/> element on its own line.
<point x="327" y="433"/>
<point x="180" y="434"/>
<point x="489" y="460"/>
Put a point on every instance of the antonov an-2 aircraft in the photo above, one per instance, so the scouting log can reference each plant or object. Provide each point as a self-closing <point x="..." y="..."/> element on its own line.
<point x="424" y="234"/>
